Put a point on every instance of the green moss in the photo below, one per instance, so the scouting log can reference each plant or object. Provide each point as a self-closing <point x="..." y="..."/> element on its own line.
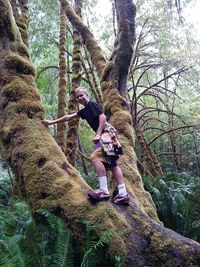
<point x="12" y="128"/>
<point x="21" y="25"/>
<point x="8" y="29"/>
<point x="22" y="49"/>
<point x="24" y="35"/>
<point x="19" y="89"/>
<point x="19" y="65"/>
<point x="106" y="72"/>
<point x="30" y="108"/>
<point x="49" y="180"/>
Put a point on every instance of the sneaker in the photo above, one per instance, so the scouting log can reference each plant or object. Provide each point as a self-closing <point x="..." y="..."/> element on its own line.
<point x="121" y="199"/>
<point x="99" y="194"/>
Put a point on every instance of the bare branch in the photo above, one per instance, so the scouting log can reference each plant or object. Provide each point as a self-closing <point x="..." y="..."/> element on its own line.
<point x="153" y="128"/>
<point x="148" y="119"/>
<point x="165" y="78"/>
<point x="172" y="130"/>
<point x="167" y="154"/>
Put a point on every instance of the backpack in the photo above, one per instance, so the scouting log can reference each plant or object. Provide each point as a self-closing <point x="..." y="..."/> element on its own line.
<point x="109" y="141"/>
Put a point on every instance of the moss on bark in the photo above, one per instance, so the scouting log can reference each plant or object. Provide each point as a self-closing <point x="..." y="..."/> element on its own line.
<point x="72" y="133"/>
<point x="48" y="181"/>
<point x="43" y="174"/>
<point x="96" y="53"/>
<point x="22" y="20"/>
<point x="60" y="135"/>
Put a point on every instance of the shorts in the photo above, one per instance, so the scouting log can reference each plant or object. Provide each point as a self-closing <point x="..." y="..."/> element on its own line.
<point x="98" y="154"/>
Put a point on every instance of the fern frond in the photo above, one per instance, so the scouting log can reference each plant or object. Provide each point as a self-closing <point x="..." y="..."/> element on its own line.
<point x="93" y="246"/>
<point x="63" y="248"/>
<point x="11" y="253"/>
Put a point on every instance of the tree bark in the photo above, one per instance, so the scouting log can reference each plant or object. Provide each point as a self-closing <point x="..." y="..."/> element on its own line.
<point x="60" y="136"/>
<point x="72" y="133"/>
<point x="97" y="94"/>
<point x="94" y="49"/>
<point x="21" y="18"/>
<point x="50" y="182"/>
<point x="22" y="21"/>
<point x="94" y="87"/>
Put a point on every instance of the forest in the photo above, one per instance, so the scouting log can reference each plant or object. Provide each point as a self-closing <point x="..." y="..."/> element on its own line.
<point x="139" y="60"/>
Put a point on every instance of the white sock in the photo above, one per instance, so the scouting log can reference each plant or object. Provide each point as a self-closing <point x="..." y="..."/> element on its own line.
<point x="122" y="189"/>
<point x="103" y="183"/>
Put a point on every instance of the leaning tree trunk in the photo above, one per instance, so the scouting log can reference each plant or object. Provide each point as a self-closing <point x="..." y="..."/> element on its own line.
<point x="92" y="86"/>
<point x="60" y="135"/>
<point x="95" y="88"/>
<point x="50" y="182"/>
<point x="72" y="133"/>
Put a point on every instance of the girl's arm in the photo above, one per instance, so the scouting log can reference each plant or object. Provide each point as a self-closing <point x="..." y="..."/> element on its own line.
<point x="61" y="119"/>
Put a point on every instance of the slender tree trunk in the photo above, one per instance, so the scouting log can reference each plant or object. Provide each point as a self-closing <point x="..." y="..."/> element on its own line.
<point x="82" y="159"/>
<point x="50" y="182"/>
<point x="98" y="97"/>
<point x="20" y="12"/>
<point x="14" y="8"/>
<point x="95" y="88"/>
<point x="72" y="133"/>
<point x="148" y="155"/>
<point x="143" y="170"/>
<point x="22" y="20"/>
<point x="60" y="136"/>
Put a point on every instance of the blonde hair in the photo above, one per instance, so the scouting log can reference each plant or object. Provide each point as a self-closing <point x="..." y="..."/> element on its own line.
<point x="81" y="90"/>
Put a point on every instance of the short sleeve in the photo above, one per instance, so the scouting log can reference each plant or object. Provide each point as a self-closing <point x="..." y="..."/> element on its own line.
<point x="95" y="109"/>
<point x="80" y="113"/>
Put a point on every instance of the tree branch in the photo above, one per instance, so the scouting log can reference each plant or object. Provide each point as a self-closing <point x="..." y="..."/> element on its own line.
<point x="171" y="130"/>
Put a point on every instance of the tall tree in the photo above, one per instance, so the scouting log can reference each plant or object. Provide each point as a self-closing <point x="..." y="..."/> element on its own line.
<point x="49" y="181"/>
<point x="62" y="80"/>
<point x="72" y="133"/>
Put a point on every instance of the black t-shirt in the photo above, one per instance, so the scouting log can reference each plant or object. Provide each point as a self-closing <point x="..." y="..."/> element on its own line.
<point x="91" y="113"/>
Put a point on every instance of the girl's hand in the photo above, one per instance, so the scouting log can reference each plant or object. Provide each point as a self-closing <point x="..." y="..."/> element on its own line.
<point x="96" y="138"/>
<point x="46" y="122"/>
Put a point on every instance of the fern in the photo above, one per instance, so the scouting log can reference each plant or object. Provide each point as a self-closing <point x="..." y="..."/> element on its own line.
<point x="117" y="261"/>
<point x="11" y="254"/>
<point x="92" y="244"/>
<point x="63" y="248"/>
<point x="177" y="200"/>
<point x="61" y="254"/>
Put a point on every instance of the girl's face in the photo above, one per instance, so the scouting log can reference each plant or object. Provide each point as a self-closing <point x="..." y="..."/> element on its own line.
<point x="82" y="98"/>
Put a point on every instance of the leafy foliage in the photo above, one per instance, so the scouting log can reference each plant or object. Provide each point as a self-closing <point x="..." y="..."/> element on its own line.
<point x="93" y="245"/>
<point x="43" y="239"/>
<point x="177" y="200"/>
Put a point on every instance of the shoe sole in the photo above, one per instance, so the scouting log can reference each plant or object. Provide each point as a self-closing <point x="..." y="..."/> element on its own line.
<point x="122" y="202"/>
<point x="97" y="198"/>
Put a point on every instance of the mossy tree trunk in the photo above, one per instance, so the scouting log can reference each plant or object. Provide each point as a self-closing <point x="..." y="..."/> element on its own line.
<point x="14" y="8"/>
<point x="72" y="133"/>
<point x="20" y="11"/>
<point x="50" y="182"/>
<point x="60" y="135"/>
<point x="93" y="82"/>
